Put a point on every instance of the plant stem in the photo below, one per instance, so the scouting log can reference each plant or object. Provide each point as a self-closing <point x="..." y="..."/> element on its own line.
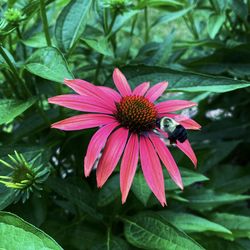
<point x="101" y="57"/>
<point x="131" y="35"/>
<point x="19" y="34"/>
<point x="146" y="24"/>
<point x="45" y="22"/>
<point x="14" y="71"/>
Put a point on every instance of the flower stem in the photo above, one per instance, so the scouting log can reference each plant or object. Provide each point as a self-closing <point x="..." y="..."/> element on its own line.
<point x="101" y="57"/>
<point x="45" y="22"/>
<point x="14" y="70"/>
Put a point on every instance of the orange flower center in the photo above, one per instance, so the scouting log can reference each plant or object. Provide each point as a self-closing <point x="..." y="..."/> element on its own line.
<point x="136" y="113"/>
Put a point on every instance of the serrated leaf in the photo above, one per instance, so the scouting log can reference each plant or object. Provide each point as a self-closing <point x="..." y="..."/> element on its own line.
<point x="181" y="80"/>
<point x="49" y="64"/>
<point x="71" y="23"/>
<point x="192" y="223"/>
<point x="10" y="109"/>
<point x="149" y="231"/>
<point x="238" y="224"/>
<point x="15" y="234"/>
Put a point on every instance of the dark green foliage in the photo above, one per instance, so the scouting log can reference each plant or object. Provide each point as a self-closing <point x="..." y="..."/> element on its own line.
<point x="202" y="48"/>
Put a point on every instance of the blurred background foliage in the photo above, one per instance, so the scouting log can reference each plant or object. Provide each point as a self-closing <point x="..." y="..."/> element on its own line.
<point x="201" y="47"/>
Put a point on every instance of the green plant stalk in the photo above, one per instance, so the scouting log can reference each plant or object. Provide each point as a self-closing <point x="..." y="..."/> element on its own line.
<point x="146" y="24"/>
<point x="19" y="34"/>
<point x="13" y="87"/>
<point x="14" y="70"/>
<point x="101" y="57"/>
<point x="45" y="22"/>
<point x="131" y="34"/>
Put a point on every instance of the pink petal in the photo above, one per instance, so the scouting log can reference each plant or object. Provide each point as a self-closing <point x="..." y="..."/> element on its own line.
<point x="121" y="83"/>
<point x="173" y="105"/>
<point x="128" y="165"/>
<point x="111" y="93"/>
<point x="156" y="91"/>
<point x="95" y="146"/>
<point x="141" y="89"/>
<point x="81" y="103"/>
<point x="151" y="168"/>
<point x="167" y="159"/>
<point x="186" y="148"/>
<point x="111" y="155"/>
<point x="85" y="88"/>
<point x="79" y="122"/>
<point x="185" y="121"/>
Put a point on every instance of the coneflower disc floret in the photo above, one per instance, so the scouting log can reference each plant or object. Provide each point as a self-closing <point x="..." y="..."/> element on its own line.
<point x="136" y="113"/>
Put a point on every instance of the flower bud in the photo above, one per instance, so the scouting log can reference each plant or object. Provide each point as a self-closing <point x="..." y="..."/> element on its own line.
<point x="24" y="177"/>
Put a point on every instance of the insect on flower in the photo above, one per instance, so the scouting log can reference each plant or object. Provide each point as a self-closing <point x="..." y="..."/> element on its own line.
<point x="129" y="130"/>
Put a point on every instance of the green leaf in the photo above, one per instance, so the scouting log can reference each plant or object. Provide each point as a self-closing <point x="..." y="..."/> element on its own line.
<point x="181" y="80"/>
<point x="15" y="234"/>
<point x="188" y="178"/>
<point x="141" y="189"/>
<point x="36" y="41"/>
<point x="240" y="8"/>
<point x="76" y="194"/>
<point x="101" y="46"/>
<point x="170" y="16"/>
<point x="112" y="243"/>
<point x="71" y="23"/>
<point x="50" y="64"/>
<point x="151" y="231"/>
<point x="10" y="109"/>
<point x="191" y="223"/>
<point x="122" y="19"/>
<point x="7" y="196"/>
<point x="215" y="23"/>
<point x="207" y="199"/>
<point x="238" y="224"/>
<point x="109" y="192"/>
<point x="3" y="63"/>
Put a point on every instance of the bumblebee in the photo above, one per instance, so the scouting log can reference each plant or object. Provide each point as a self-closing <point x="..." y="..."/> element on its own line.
<point x="175" y="130"/>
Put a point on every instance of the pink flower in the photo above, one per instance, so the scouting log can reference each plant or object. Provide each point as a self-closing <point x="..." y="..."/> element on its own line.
<point x="127" y="122"/>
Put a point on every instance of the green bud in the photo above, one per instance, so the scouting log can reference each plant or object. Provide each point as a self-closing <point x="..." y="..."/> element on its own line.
<point x="119" y="6"/>
<point x="24" y="176"/>
<point x="13" y="15"/>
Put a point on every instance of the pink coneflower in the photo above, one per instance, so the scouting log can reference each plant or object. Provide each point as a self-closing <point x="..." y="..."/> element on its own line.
<point x="128" y="130"/>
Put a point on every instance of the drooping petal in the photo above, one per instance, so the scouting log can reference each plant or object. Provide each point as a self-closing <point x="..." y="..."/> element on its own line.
<point x="84" y="121"/>
<point x="173" y="105"/>
<point x="185" y="121"/>
<point x="111" y="93"/>
<point x="186" y="148"/>
<point x="141" y="89"/>
<point x="111" y="155"/>
<point x="81" y="103"/>
<point x="167" y="159"/>
<point x="152" y="170"/>
<point x="121" y="83"/>
<point x="156" y="91"/>
<point x="128" y="165"/>
<point x="88" y="89"/>
<point x="95" y="146"/>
